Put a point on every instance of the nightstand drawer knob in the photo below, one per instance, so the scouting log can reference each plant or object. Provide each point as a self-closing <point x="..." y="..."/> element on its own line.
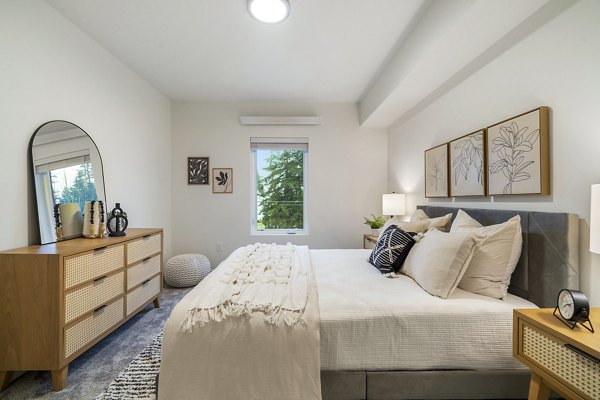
<point x="582" y="353"/>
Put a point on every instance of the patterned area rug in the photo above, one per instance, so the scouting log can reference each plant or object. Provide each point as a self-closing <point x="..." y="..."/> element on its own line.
<point x="138" y="380"/>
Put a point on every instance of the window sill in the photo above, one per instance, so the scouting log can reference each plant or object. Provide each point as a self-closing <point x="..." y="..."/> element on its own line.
<point x="260" y="233"/>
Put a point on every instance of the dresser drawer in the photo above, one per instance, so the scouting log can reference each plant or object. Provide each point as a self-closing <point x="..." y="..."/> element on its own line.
<point x="145" y="247"/>
<point x="92" y="295"/>
<point x="78" y="335"/>
<point x="88" y="266"/>
<point x="142" y="294"/>
<point x="142" y="271"/>
<point x="576" y="371"/>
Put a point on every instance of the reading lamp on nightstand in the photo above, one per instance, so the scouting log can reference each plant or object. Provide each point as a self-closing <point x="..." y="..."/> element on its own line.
<point x="394" y="204"/>
<point x="595" y="220"/>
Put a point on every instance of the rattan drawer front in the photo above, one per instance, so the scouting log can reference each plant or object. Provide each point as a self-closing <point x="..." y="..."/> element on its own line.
<point x="142" y="271"/>
<point x="142" y="294"/>
<point x="79" y="269"/>
<point x="574" y="369"/>
<point x="141" y="248"/>
<point x="90" y="296"/>
<point x="88" y="329"/>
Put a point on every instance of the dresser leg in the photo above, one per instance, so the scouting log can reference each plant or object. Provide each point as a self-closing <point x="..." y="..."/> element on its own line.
<point x="5" y="377"/>
<point x="59" y="378"/>
<point x="537" y="388"/>
<point x="156" y="302"/>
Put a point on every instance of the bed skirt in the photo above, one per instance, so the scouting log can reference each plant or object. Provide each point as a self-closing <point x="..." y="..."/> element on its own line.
<point x="451" y="384"/>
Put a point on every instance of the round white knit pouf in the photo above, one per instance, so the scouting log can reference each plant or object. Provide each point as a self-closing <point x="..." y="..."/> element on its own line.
<point x="186" y="270"/>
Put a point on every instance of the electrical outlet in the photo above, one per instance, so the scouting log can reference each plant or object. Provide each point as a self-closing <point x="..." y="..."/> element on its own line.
<point x="219" y="247"/>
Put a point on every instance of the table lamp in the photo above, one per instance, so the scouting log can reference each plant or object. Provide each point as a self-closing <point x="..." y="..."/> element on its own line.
<point x="395" y="204"/>
<point x="595" y="220"/>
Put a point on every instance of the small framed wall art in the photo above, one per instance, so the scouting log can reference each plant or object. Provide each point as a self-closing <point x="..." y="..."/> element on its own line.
<point x="467" y="171"/>
<point x="436" y="171"/>
<point x="222" y="181"/>
<point x="518" y="155"/>
<point x="197" y="170"/>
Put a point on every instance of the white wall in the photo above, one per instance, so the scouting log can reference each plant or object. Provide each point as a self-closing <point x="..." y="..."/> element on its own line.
<point x="49" y="69"/>
<point x="346" y="175"/>
<point x="557" y="66"/>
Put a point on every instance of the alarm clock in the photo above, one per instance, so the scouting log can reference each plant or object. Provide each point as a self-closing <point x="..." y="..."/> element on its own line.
<point x="574" y="308"/>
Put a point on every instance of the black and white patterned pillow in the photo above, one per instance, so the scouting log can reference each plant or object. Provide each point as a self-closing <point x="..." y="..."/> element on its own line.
<point x="391" y="249"/>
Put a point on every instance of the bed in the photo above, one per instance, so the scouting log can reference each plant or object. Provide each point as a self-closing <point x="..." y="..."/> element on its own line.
<point x="375" y="345"/>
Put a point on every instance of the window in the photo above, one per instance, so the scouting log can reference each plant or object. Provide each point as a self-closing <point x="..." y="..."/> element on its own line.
<point x="279" y="189"/>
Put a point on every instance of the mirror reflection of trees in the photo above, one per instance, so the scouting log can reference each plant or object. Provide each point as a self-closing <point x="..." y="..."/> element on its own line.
<point x="73" y="185"/>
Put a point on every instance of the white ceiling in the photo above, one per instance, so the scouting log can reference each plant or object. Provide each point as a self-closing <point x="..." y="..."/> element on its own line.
<point x="391" y="57"/>
<point x="327" y="51"/>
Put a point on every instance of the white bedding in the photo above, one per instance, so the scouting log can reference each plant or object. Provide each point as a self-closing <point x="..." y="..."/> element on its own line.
<point x="369" y="322"/>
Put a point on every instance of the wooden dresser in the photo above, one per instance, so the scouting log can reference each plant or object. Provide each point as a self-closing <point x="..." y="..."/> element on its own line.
<point x="58" y="300"/>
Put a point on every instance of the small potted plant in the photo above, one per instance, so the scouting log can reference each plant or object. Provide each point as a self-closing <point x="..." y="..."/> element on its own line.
<point x="375" y="223"/>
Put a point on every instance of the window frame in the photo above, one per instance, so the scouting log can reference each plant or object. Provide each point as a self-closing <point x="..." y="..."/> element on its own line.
<point x="253" y="188"/>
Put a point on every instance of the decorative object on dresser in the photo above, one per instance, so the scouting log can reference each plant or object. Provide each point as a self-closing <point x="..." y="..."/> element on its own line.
<point x="518" y="154"/>
<point x="574" y="308"/>
<point x="222" y="180"/>
<point x="94" y="225"/>
<point x="197" y="170"/>
<point x="117" y="221"/>
<point x="70" y="220"/>
<point x="57" y="300"/>
<point x="436" y="171"/>
<point x="186" y="270"/>
<point x="560" y="358"/>
<point x="467" y="158"/>
<point x="67" y="168"/>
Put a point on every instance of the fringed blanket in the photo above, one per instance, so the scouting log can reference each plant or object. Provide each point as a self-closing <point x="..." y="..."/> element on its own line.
<point x="265" y="278"/>
<point x="249" y="330"/>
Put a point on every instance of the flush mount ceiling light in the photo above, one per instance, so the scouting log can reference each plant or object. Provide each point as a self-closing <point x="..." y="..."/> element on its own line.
<point x="269" y="11"/>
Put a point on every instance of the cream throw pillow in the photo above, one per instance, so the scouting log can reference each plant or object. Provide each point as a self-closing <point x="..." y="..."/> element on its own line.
<point x="441" y="223"/>
<point x="493" y="263"/>
<point x="418" y="226"/>
<point x="438" y="261"/>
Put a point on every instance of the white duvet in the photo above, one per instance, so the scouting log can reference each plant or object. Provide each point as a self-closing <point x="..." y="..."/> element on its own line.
<point x="369" y="322"/>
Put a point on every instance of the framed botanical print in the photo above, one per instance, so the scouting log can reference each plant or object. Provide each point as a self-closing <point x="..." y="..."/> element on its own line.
<point x="197" y="170"/>
<point x="467" y="165"/>
<point x="222" y="181"/>
<point x="436" y="171"/>
<point x="518" y="155"/>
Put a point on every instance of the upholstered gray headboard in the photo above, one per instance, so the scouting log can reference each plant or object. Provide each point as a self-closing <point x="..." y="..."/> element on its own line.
<point x="550" y="256"/>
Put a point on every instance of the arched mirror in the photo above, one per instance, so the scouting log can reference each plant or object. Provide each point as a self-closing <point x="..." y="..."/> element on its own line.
<point x="67" y="170"/>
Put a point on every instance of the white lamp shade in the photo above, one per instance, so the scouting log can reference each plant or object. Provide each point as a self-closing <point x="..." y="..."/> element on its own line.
<point x="595" y="220"/>
<point x="394" y="204"/>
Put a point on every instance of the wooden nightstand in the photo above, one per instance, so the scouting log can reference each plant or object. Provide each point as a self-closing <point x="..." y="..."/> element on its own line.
<point x="562" y="359"/>
<point x="369" y="241"/>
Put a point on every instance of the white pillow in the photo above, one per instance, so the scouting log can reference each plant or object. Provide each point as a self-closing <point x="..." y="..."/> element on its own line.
<point x="418" y="226"/>
<point x="493" y="263"/>
<point x="440" y="223"/>
<point x="438" y="261"/>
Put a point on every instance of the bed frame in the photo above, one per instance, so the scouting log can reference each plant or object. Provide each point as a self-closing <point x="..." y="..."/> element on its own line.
<point x="549" y="262"/>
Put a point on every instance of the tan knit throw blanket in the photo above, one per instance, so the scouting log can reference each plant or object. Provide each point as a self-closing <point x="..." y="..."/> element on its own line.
<point x="266" y="278"/>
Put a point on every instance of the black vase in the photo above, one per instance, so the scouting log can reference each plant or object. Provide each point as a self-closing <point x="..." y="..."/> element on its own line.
<point x="117" y="222"/>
